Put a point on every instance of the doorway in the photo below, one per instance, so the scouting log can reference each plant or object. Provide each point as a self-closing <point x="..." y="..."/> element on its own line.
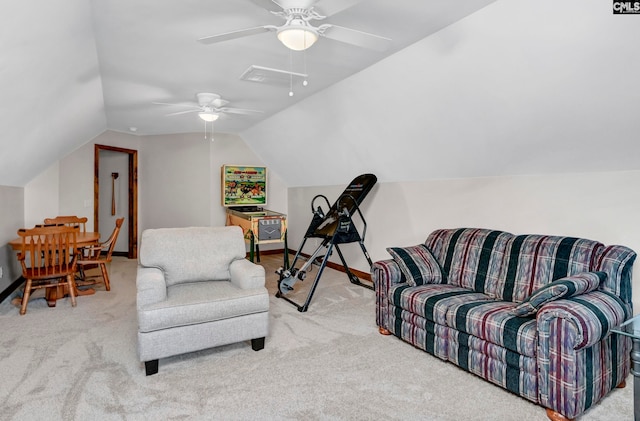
<point x="120" y="188"/>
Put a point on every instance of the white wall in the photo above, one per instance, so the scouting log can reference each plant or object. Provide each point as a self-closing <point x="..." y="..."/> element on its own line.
<point x="599" y="206"/>
<point x="178" y="180"/>
<point x="175" y="182"/>
<point x="11" y="220"/>
<point x="76" y="175"/>
<point x="42" y="196"/>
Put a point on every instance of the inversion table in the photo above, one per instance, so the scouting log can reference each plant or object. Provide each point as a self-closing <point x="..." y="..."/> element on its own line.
<point x="333" y="228"/>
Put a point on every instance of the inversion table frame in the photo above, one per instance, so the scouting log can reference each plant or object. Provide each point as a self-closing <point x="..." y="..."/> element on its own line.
<point x="334" y="228"/>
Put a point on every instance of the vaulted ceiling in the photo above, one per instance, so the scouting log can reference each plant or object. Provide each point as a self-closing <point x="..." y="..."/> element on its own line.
<point x="467" y="88"/>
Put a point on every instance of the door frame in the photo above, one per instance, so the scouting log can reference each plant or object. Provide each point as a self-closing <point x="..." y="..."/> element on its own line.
<point x="133" y="194"/>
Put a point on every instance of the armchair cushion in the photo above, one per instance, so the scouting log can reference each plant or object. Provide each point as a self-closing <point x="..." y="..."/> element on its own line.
<point x="418" y="265"/>
<point x="567" y="287"/>
<point x="202" y="302"/>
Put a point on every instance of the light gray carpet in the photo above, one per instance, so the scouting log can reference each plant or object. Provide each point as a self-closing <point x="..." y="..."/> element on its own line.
<point x="330" y="363"/>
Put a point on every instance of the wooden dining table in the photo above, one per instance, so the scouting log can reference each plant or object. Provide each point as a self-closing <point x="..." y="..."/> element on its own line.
<point x="83" y="239"/>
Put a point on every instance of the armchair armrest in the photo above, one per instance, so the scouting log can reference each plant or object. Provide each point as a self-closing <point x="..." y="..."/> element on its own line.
<point x="151" y="286"/>
<point x="588" y="318"/>
<point x="246" y="275"/>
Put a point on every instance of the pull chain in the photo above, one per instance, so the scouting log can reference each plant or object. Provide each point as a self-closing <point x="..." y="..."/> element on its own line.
<point x="304" y="63"/>
<point x="290" y="73"/>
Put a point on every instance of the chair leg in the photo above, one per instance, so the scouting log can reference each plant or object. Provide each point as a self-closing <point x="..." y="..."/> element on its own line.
<point x="151" y="367"/>
<point x="25" y="297"/>
<point x="257" y="344"/>
<point x="105" y="276"/>
<point x="72" y="288"/>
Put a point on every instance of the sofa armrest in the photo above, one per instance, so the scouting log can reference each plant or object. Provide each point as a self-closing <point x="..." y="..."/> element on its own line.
<point x="589" y="318"/>
<point x="579" y="361"/>
<point x="151" y="286"/>
<point x="246" y="275"/>
<point x="384" y="274"/>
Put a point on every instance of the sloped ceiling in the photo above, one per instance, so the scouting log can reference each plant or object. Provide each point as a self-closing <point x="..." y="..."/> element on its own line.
<point x="472" y="88"/>
<point x="71" y="70"/>
<point x="50" y="89"/>
<point x="519" y="87"/>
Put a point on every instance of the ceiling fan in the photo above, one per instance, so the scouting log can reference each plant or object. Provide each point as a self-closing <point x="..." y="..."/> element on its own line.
<point x="209" y="107"/>
<point x="298" y="33"/>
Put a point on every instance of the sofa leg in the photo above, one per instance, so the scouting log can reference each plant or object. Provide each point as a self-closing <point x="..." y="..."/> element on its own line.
<point x="556" y="416"/>
<point x="257" y="344"/>
<point x="151" y="367"/>
<point x="384" y="331"/>
<point x="622" y="384"/>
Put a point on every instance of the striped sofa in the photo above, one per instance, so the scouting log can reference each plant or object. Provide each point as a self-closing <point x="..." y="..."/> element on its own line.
<point x="530" y="313"/>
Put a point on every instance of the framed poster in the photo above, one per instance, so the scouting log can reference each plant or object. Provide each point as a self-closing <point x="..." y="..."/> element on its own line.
<point x="244" y="185"/>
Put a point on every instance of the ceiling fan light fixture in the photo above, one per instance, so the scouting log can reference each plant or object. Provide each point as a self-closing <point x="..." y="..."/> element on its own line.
<point x="208" y="116"/>
<point x="297" y="36"/>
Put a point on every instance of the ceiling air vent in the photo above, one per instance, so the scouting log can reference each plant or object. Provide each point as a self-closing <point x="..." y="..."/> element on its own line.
<point x="261" y="74"/>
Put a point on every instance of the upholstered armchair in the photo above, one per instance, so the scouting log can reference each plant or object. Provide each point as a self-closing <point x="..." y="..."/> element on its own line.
<point x="196" y="290"/>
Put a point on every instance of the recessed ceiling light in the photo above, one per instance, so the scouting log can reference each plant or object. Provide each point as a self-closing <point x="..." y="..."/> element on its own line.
<point x="133" y="129"/>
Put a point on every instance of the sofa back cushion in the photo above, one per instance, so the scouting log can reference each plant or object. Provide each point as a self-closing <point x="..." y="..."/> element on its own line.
<point x="192" y="254"/>
<point x="532" y="261"/>
<point x="470" y="257"/>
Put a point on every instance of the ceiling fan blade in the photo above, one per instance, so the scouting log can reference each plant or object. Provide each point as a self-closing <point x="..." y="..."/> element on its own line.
<point x="331" y="7"/>
<point x="237" y="34"/>
<point x="184" y="112"/>
<point x="270" y="5"/>
<point x="354" y="37"/>
<point x="177" y="104"/>
<point x="244" y="111"/>
<point x="294" y="4"/>
<point x="218" y="103"/>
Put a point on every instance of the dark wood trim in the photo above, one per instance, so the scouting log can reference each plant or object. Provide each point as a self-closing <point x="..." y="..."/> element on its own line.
<point x="337" y="266"/>
<point x="9" y="290"/>
<point x="133" y="194"/>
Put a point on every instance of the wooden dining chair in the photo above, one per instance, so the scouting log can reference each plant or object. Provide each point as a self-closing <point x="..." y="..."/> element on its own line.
<point x="48" y="260"/>
<point x="70" y="221"/>
<point x="93" y="256"/>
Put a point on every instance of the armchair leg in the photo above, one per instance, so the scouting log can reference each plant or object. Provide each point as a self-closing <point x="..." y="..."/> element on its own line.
<point x="257" y="344"/>
<point x="151" y="367"/>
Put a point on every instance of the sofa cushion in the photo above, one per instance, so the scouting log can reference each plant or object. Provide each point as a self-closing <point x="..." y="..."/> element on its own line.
<point x="532" y="261"/>
<point x="494" y="322"/>
<point x="193" y="253"/>
<point x="431" y="301"/>
<point x="418" y="265"/>
<point x="561" y="288"/>
<point x="201" y="302"/>
<point x="470" y="257"/>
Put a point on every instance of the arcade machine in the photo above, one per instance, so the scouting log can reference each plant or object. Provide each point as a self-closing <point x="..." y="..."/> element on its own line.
<point x="334" y="227"/>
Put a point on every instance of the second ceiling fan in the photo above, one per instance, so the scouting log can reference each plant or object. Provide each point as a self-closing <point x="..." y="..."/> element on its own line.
<point x="209" y="107"/>
<point x="298" y="34"/>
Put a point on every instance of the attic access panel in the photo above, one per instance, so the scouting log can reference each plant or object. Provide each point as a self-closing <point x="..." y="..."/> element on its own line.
<point x="260" y="74"/>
